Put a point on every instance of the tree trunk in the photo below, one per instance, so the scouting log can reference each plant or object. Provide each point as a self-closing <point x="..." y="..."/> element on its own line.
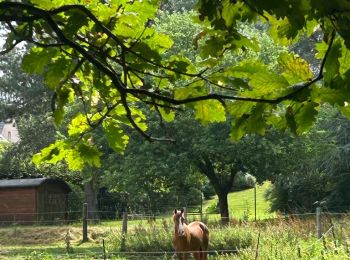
<point x="222" y="188"/>
<point x="91" y="200"/>
<point x="223" y="206"/>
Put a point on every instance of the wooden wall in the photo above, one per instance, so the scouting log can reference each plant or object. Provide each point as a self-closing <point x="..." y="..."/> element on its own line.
<point x="17" y="204"/>
<point x="52" y="202"/>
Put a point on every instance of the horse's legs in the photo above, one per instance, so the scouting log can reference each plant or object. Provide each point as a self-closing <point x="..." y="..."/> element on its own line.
<point x="204" y="255"/>
<point x="197" y="255"/>
<point x="182" y="256"/>
<point x="200" y="255"/>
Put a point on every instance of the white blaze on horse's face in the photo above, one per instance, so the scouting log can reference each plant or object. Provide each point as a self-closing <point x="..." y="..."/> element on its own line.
<point x="179" y="220"/>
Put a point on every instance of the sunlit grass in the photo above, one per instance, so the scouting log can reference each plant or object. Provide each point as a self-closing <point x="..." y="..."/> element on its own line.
<point x="279" y="239"/>
<point x="241" y="204"/>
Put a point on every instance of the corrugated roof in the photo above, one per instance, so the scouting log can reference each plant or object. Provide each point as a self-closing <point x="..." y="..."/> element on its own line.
<point x="22" y="183"/>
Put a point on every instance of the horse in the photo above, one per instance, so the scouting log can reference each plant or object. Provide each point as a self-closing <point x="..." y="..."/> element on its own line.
<point x="190" y="238"/>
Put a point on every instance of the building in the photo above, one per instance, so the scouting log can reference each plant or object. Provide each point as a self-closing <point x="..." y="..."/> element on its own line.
<point x="9" y="131"/>
<point x="32" y="200"/>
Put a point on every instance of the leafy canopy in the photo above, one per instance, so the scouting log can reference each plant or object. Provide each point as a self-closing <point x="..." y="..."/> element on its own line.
<point x="109" y="56"/>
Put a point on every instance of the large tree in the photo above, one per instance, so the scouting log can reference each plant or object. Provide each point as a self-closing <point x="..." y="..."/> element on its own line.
<point x="209" y="149"/>
<point x="156" y="173"/>
<point x="107" y="55"/>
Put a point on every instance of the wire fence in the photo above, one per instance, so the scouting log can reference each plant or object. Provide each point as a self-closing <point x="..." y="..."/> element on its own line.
<point x="328" y="222"/>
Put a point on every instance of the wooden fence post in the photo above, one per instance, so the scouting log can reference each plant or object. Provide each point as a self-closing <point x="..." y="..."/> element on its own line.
<point x="201" y="209"/>
<point x="318" y="223"/>
<point x="85" y="213"/>
<point x="185" y="214"/>
<point x="257" y="248"/>
<point x="125" y="223"/>
<point x="255" y="203"/>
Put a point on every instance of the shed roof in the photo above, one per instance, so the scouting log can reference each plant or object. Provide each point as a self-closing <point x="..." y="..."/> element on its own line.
<point x="35" y="182"/>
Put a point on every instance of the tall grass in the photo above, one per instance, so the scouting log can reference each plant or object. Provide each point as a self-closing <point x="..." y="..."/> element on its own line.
<point x="279" y="238"/>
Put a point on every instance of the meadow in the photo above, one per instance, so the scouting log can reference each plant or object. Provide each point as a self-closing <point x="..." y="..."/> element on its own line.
<point x="271" y="237"/>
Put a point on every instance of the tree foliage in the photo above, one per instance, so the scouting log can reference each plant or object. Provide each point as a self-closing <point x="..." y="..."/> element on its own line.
<point x="317" y="167"/>
<point x="109" y="56"/>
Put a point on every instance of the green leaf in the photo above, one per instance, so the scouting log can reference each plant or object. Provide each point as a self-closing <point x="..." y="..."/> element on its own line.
<point x="56" y="72"/>
<point x="64" y="95"/>
<point x="295" y="69"/>
<point x="51" y="154"/>
<point x="256" y="122"/>
<point x="167" y="114"/>
<point x="209" y="111"/>
<point x="76" y="154"/>
<point x="305" y="116"/>
<point x="37" y="59"/>
<point x="89" y="154"/>
<point x="267" y="83"/>
<point x="332" y="64"/>
<point x="213" y="47"/>
<point x="78" y="125"/>
<point x="345" y="110"/>
<point x="229" y="12"/>
<point x="180" y="64"/>
<point x="238" y="128"/>
<point x="115" y="135"/>
<point x="239" y="108"/>
<point x="76" y="20"/>
<point x="233" y="11"/>
<point x="247" y="68"/>
<point x="194" y="90"/>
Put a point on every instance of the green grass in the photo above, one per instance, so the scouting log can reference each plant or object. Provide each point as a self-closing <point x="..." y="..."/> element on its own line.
<point x="279" y="239"/>
<point x="241" y="203"/>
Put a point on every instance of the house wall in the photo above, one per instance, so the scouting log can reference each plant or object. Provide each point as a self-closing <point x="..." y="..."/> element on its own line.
<point x="17" y="204"/>
<point x="10" y="132"/>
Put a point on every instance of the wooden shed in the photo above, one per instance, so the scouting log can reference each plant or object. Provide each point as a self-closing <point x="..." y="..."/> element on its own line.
<point x="31" y="200"/>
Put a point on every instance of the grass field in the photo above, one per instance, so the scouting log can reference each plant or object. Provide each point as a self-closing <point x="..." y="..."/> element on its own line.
<point x="275" y="237"/>
<point x="241" y="203"/>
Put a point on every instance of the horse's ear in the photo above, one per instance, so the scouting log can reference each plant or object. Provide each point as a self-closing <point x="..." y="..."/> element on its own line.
<point x="182" y="211"/>
<point x="175" y="211"/>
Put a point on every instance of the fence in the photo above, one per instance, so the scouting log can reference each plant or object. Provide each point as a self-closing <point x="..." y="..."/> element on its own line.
<point x="86" y="217"/>
<point x="321" y="222"/>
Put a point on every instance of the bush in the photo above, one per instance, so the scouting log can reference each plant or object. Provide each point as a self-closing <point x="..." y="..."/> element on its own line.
<point x="243" y="181"/>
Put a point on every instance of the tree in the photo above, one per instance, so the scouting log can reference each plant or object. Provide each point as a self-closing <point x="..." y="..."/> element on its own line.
<point x="162" y="164"/>
<point x="26" y="99"/>
<point x="177" y="5"/>
<point x="209" y="149"/>
<point x="108" y="55"/>
<point x="316" y="168"/>
<point x="155" y="173"/>
<point x="21" y="94"/>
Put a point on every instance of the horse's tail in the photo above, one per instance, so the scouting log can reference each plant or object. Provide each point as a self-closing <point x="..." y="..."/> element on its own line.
<point x="204" y="228"/>
<point x="205" y="240"/>
<point x="206" y="234"/>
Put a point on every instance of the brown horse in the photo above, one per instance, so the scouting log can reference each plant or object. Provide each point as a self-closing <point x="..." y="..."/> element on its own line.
<point x="190" y="238"/>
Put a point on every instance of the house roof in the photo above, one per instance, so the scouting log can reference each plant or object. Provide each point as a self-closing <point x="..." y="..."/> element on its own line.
<point x="35" y="182"/>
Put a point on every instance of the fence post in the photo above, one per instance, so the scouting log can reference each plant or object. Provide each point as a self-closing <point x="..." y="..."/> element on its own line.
<point x="318" y="222"/>
<point x="185" y="213"/>
<point x="125" y="223"/>
<point x="201" y="207"/>
<point x="255" y="203"/>
<point x="85" y="211"/>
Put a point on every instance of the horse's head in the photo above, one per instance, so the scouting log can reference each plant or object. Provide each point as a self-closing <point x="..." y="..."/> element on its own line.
<point x="179" y="220"/>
